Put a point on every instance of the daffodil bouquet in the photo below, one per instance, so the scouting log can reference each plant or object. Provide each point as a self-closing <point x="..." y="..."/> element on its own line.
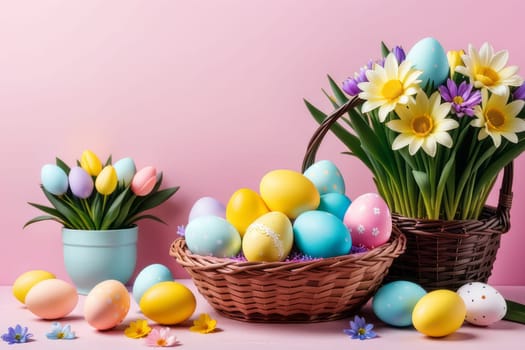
<point x="93" y="196"/>
<point x="435" y="128"/>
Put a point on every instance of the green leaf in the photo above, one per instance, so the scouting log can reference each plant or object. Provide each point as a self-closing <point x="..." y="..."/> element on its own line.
<point x="331" y="99"/>
<point x="422" y="182"/>
<point x="60" y="163"/>
<point x="445" y="174"/>
<point x="500" y="162"/>
<point x="134" y="219"/>
<point x="65" y="210"/>
<point x="44" y="218"/>
<point x="155" y="199"/>
<point x="384" y="49"/>
<point x="515" y="312"/>
<point x="338" y="93"/>
<point x="113" y="211"/>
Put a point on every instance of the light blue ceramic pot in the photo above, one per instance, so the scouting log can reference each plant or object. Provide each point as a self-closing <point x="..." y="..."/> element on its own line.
<point x="92" y="256"/>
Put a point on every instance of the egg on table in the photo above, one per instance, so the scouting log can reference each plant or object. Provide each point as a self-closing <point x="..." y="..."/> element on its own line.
<point x="485" y="305"/>
<point x="27" y="280"/>
<point x="52" y="299"/>
<point x="268" y="238"/>
<point x="212" y="236"/>
<point x="149" y="276"/>
<point x="106" y="305"/>
<point x="168" y="303"/>
<point x="320" y="234"/>
<point x="244" y="206"/>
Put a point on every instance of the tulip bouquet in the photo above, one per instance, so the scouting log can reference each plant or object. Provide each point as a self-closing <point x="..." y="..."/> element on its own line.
<point x="434" y="128"/>
<point x="93" y="196"/>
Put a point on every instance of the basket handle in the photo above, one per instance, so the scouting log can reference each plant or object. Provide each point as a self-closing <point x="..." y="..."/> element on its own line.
<point x="505" y="193"/>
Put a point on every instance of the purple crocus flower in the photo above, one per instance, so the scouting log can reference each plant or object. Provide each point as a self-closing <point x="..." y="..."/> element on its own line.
<point x="399" y="53"/>
<point x="359" y="329"/>
<point x="519" y="94"/>
<point x="17" y="334"/>
<point x="350" y="84"/>
<point x="462" y="97"/>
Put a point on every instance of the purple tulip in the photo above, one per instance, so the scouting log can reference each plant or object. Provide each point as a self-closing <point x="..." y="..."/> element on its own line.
<point x="519" y="94"/>
<point x="80" y="182"/>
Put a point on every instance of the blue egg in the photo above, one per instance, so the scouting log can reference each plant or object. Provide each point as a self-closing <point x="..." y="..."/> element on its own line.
<point x="125" y="169"/>
<point x="326" y="177"/>
<point x="393" y="303"/>
<point x="429" y="56"/>
<point x="148" y="277"/>
<point x="212" y="235"/>
<point x="335" y="203"/>
<point x="54" y="179"/>
<point x="320" y="234"/>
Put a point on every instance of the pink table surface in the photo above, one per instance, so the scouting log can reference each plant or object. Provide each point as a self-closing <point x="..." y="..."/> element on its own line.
<point x="251" y="336"/>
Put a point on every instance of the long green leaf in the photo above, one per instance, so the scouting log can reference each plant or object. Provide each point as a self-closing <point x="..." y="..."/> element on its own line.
<point x="65" y="210"/>
<point x="421" y="179"/>
<point x="113" y="211"/>
<point x="134" y="219"/>
<point x="156" y="199"/>
<point x="44" y="218"/>
<point x="62" y="165"/>
<point x="515" y="312"/>
<point x="338" y="93"/>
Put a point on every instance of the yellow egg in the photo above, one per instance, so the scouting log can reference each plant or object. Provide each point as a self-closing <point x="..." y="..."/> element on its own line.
<point x="168" y="303"/>
<point x="439" y="313"/>
<point x="27" y="280"/>
<point x="269" y="238"/>
<point x="289" y="192"/>
<point x="52" y="299"/>
<point x="244" y="206"/>
<point x="106" y="305"/>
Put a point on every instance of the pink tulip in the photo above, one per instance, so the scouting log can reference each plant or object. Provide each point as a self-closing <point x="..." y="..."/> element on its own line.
<point x="144" y="181"/>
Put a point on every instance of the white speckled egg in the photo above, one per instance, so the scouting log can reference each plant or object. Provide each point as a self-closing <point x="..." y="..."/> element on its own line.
<point x="326" y="177"/>
<point x="369" y="221"/>
<point x="485" y="305"/>
<point x="320" y="234"/>
<point x="207" y="206"/>
<point x="212" y="235"/>
<point x="429" y="56"/>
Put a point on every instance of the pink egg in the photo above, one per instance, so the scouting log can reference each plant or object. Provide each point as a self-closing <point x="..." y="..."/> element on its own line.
<point x="51" y="299"/>
<point x="369" y="221"/>
<point x="106" y="305"/>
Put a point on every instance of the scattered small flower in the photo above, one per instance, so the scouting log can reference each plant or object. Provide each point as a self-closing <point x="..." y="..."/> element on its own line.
<point x="17" y="334"/>
<point x="137" y="329"/>
<point x="59" y="332"/>
<point x="181" y="230"/>
<point x="204" y="324"/>
<point x="359" y="329"/>
<point x="161" y="337"/>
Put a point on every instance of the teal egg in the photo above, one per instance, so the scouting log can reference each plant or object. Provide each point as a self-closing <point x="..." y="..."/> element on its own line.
<point x="429" y="56"/>
<point x="54" y="179"/>
<point x="148" y="277"/>
<point x="320" y="234"/>
<point x="335" y="203"/>
<point x="125" y="169"/>
<point x="212" y="235"/>
<point x="394" y="302"/>
<point x="326" y="177"/>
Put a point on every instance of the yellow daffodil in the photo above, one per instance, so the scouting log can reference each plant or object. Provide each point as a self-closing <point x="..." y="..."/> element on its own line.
<point x="389" y="86"/>
<point x="204" y="324"/>
<point x="496" y="118"/>
<point x="454" y="60"/>
<point x="423" y="123"/>
<point x="90" y="163"/>
<point x="107" y="180"/>
<point x="486" y="69"/>
<point x="137" y="329"/>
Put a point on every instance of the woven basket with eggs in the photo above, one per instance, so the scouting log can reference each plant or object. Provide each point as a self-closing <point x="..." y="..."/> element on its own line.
<point x="297" y="264"/>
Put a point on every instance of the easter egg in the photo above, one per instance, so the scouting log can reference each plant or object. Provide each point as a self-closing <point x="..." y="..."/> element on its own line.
<point x="485" y="305"/>
<point x="320" y="234"/>
<point x="268" y="238"/>
<point x="326" y="177"/>
<point x="394" y="302"/>
<point x="207" y="206"/>
<point x="168" y="303"/>
<point x="244" y="206"/>
<point x="369" y="221"/>
<point x="125" y="169"/>
<point x="149" y="276"/>
<point x="27" y="280"/>
<point x="428" y="56"/>
<point x="334" y="203"/>
<point x="289" y="192"/>
<point x="439" y="313"/>
<point x="52" y="299"/>
<point x="106" y="305"/>
<point x="212" y="235"/>
<point x="54" y="179"/>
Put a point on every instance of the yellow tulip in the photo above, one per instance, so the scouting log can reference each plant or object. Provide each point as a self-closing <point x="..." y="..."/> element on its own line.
<point x="90" y="163"/>
<point x="107" y="180"/>
<point x="454" y="60"/>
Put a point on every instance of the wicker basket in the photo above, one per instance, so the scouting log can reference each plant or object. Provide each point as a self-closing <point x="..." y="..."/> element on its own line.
<point x="306" y="291"/>
<point x="440" y="253"/>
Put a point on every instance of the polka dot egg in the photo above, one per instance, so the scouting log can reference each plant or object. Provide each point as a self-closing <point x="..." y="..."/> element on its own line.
<point x="485" y="305"/>
<point x="106" y="305"/>
<point x="369" y="221"/>
<point x="326" y="177"/>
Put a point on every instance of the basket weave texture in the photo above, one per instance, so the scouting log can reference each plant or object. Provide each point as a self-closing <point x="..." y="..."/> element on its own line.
<point x="289" y="292"/>
<point x="439" y="253"/>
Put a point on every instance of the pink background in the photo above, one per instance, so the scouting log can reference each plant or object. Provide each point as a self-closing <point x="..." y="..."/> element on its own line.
<point x="210" y="92"/>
